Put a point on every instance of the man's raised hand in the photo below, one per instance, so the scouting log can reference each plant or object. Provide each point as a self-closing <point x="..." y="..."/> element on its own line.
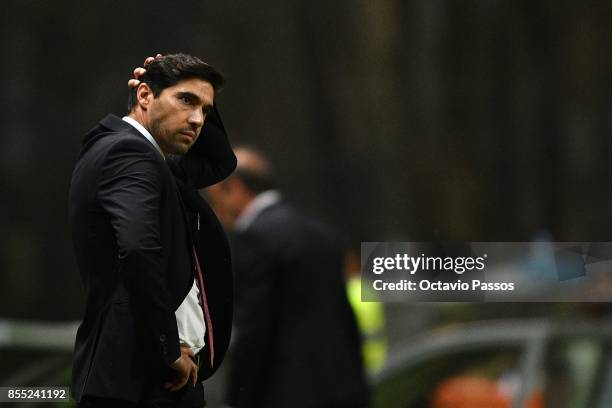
<point x="140" y="71"/>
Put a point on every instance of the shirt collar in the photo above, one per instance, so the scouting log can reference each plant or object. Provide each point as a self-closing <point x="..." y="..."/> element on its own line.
<point x="144" y="132"/>
<point x="255" y="207"/>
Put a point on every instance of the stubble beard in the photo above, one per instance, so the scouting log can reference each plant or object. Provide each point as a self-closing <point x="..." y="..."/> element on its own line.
<point x="164" y="139"/>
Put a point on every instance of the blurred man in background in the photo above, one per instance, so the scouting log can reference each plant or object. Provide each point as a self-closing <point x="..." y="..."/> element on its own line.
<point x="296" y="341"/>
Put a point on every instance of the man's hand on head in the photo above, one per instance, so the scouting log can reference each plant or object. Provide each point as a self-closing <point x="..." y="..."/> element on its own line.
<point x="185" y="368"/>
<point x="140" y="71"/>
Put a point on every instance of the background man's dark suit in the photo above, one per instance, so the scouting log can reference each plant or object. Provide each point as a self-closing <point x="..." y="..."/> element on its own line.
<point x="133" y="236"/>
<point x="296" y="343"/>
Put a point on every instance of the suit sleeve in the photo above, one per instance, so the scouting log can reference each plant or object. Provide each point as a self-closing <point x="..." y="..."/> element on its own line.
<point x="255" y="276"/>
<point x="210" y="160"/>
<point x="130" y="190"/>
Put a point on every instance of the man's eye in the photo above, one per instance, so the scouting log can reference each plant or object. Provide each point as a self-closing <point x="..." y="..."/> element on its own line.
<point x="186" y="100"/>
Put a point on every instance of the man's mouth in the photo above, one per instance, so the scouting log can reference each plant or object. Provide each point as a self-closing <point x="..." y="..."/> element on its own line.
<point x="188" y="133"/>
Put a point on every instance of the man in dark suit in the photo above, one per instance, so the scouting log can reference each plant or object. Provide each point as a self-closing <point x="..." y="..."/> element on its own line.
<point x="296" y="340"/>
<point x="153" y="258"/>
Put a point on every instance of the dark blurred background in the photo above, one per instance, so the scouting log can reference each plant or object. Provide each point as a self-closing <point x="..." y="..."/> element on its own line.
<point x="390" y="119"/>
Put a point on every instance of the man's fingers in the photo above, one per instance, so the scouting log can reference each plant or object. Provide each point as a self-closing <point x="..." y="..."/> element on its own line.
<point x="194" y="374"/>
<point x="138" y="72"/>
<point x="177" y="384"/>
<point x="149" y="60"/>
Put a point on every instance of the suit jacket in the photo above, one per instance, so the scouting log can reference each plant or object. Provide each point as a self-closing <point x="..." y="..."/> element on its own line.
<point x="296" y="339"/>
<point x="134" y="218"/>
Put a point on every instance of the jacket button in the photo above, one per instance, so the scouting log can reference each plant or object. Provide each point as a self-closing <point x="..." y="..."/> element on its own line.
<point x="162" y="337"/>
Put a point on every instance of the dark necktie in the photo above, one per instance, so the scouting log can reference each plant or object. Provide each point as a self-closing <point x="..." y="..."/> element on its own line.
<point x="209" y="328"/>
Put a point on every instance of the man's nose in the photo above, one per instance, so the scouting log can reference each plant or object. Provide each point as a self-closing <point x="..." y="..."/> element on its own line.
<point x="196" y="119"/>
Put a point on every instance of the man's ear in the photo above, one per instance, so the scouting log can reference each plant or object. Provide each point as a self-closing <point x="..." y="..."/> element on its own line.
<point x="144" y="96"/>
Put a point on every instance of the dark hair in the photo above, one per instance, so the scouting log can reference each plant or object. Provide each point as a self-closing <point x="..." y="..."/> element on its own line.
<point x="169" y="70"/>
<point x="257" y="176"/>
<point x="255" y="181"/>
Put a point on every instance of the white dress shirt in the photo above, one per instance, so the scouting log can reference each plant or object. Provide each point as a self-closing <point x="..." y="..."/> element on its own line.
<point x="189" y="315"/>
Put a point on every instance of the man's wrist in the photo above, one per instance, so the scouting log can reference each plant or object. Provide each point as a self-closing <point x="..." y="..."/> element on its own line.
<point x="182" y="343"/>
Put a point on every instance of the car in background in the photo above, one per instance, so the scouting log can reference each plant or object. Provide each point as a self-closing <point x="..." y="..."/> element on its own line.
<point x="512" y="363"/>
